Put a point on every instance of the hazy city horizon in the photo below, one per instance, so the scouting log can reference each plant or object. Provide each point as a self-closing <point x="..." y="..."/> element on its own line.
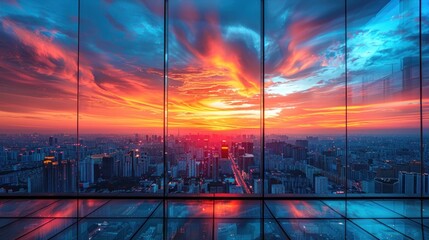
<point x="209" y="163"/>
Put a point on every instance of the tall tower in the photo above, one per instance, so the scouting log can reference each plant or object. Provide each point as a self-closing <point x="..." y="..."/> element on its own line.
<point x="224" y="150"/>
<point x="215" y="169"/>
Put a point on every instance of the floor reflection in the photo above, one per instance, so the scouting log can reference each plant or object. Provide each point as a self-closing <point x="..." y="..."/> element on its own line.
<point x="207" y="219"/>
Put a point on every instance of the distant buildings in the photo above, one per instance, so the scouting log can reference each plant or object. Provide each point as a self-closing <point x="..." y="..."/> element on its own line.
<point x="210" y="164"/>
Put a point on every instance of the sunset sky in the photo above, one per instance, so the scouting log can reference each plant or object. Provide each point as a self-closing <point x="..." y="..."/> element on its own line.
<point x="214" y="69"/>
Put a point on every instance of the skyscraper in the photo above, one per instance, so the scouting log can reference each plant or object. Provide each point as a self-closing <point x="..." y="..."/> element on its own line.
<point x="321" y="185"/>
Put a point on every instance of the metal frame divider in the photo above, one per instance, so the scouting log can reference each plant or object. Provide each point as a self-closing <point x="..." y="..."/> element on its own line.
<point x="262" y="116"/>
<point x="422" y="164"/>
<point x="346" y="97"/>
<point x="165" y="121"/>
<point x="77" y="117"/>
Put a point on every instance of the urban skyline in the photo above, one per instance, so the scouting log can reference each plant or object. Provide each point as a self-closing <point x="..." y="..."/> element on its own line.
<point x="203" y="164"/>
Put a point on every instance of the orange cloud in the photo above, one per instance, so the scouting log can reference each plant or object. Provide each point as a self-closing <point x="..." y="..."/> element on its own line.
<point x="216" y="90"/>
<point x="42" y="92"/>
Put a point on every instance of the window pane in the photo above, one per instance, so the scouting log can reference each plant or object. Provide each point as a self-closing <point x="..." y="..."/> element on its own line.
<point x="425" y="101"/>
<point x="237" y="228"/>
<point x="304" y="97"/>
<point x="383" y="97"/>
<point x="317" y="229"/>
<point x="38" y="68"/>
<point x="121" y="96"/>
<point x="214" y="96"/>
<point x="425" y="77"/>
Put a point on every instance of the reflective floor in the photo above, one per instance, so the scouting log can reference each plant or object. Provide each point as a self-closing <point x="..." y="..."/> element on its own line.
<point x="207" y="219"/>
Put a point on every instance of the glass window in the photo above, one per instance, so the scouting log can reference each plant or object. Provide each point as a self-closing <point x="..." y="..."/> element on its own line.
<point x="304" y="97"/>
<point x="38" y="95"/>
<point x="425" y="91"/>
<point x="219" y="119"/>
<point x="121" y="97"/>
<point x="214" y="97"/>
<point x="383" y="97"/>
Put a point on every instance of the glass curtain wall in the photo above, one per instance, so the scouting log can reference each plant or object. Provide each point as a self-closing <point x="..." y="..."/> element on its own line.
<point x="354" y="66"/>
<point x="138" y="98"/>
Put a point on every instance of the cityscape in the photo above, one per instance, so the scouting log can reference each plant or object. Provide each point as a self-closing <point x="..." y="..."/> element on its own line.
<point x="198" y="164"/>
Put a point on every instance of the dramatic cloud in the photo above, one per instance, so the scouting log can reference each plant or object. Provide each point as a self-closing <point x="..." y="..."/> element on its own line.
<point x="120" y="87"/>
<point x="214" y="65"/>
<point x="216" y="83"/>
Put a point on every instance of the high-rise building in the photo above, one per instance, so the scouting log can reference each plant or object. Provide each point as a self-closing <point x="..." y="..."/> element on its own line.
<point x="215" y="167"/>
<point x="127" y="166"/>
<point x="86" y="167"/>
<point x="277" y="189"/>
<point x="192" y="167"/>
<point x="245" y="161"/>
<point x="50" y="175"/>
<point x="107" y="167"/>
<point x="410" y="183"/>
<point x="321" y="185"/>
<point x="257" y="186"/>
<point x="248" y="147"/>
<point x="224" y="150"/>
<point x="386" y="185"/>
<point x="68" y="173"/>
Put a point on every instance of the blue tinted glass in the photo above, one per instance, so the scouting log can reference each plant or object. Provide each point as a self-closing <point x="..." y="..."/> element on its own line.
<point x="337" y="205"/>
<point x="314" y="229"/>
<point x="61" y="208"/>
<point x="50" y="229"/>
<point x="152" y="229"/>
<point x="21" y="208"/>
<point x="383" y="97"/>
<point x="189" y="209"/>
<point x="190" y="229"/>
<point x="6" y="221"/>
<point x="87" y="206"/>
<point x="379" y="229"/>
<point x="126" y="209"/>
<point x="357" y="232"/>
<point x="102" y="229"/>
<point x="368" y="209"/>
<point x="301" y="209"/>
<point x="23" y="226"/>
<point x="237" y="209"/>
<point x="406" y="208"/>
<point x="273" y="231"/>
<point x="237" y="229"/>
<point x="410" y="227"/>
